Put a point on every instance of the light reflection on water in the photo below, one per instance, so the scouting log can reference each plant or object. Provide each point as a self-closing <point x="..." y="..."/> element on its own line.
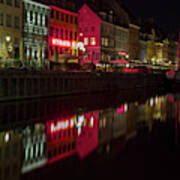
<point x="56" y="135"/>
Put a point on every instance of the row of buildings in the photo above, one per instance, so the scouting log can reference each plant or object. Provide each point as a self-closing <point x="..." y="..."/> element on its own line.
<point x="35" y="31"/>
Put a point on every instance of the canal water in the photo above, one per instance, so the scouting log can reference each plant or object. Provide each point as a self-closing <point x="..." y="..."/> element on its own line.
<point x="129" y="135"/>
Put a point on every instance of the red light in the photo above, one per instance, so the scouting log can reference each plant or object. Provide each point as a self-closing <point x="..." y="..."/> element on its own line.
<point x="60" y="42"/>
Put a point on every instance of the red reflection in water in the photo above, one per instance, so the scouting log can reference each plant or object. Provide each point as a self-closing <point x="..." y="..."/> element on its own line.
<point x="78" y="134"/>
<point x="60" y="139"/>
<point x="87" y="138"/>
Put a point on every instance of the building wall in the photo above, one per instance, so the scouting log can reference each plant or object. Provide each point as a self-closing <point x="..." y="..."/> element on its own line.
<point x="35" y="34"/>
<point x="133" y="44"/>
<point x="90" y="34"/>
<point x="142" y="49"/>
<point x="107" y="40"/>
<point x="10" y="26"/>
<point x="63" y="33"/>
<point x="121" y="39"/>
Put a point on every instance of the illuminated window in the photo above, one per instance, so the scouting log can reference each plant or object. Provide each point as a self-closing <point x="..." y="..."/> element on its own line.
<point x="93" y="41"/>
<point x="106" y="42"/>
<point x="86" y="41"/>
<point x="103" y="41"/>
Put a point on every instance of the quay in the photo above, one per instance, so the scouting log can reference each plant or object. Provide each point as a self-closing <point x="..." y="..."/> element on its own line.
<point x="23" y="84"/>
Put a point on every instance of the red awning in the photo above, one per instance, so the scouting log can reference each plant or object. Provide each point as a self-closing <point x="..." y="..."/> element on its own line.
<point x="122" y="61"/>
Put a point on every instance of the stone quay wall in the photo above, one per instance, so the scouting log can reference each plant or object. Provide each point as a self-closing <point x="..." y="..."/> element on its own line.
<point x="18" y="85"/>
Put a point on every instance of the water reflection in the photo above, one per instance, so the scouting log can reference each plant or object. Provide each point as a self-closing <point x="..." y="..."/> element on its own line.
<point x="42" y="139"/>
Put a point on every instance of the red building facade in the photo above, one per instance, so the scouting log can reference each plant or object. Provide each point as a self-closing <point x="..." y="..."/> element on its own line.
<point x="63" y="34"/>
<point x="89" y="28"/>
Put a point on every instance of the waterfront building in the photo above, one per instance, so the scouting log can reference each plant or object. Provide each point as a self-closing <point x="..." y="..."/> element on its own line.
<point x="10" y="29"/>
<point x="35" y="34"/>
<point x="142" y="50"/>
<point x="107" y="36"/>
<point x="10" y="155"/>
<point x="121" y="39"/>
<point x="90" y="35"/>
<point x="63" y="34"/>
<point x="133" y="42"/>
<point x="173" y="51"/>
<point x="34" y="147"/>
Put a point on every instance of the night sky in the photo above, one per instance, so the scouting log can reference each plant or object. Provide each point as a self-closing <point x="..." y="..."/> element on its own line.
<point x="164" y="13"/>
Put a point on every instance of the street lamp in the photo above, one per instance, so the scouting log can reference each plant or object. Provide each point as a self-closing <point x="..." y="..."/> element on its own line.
<point x="8" y="38"/>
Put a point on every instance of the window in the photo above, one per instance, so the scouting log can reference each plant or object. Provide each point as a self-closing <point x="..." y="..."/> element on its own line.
<point x="1" y="19"/>
<point x="75" y="36"/>
<point x="103" y="41"/>
<point x="92" y="28"/>
<point x="1" y="45"/>
<point x="51" y="31"/>
<point x="17" y="3"/>
<point x="16" y="22"/>
<point x="75" y="20"/>
<point x="62" y="34"/>
<point x="57" y="15"/>
<point x="71" y="35"/>
<point x="8" y="20"/>
<point x="106" y="42"/>
<point x="36" y="18"/>
<point x="31" y="16"/>
<point x="93" y="41"/>
<point x="57" y="33"/>
<point x="52" y="13"/>
<point x="62" y="17"/>
<point x="67" y="17"/>
<point x="66" y="34"/>
<point x="86" y="41"/>
<point x="9" y="2"/>
<point x="1" y="1"/>
<point x="71" y="19"/>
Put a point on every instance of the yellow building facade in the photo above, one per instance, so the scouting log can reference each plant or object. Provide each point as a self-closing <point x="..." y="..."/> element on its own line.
<point x="10" y="29"/>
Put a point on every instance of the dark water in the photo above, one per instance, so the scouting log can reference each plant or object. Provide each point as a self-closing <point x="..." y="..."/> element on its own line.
<point x="132" y="135"/>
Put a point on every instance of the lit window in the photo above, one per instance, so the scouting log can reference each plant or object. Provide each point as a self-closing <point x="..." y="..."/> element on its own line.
<point x="86" y="41"/>
<point x="93" y="41"/>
